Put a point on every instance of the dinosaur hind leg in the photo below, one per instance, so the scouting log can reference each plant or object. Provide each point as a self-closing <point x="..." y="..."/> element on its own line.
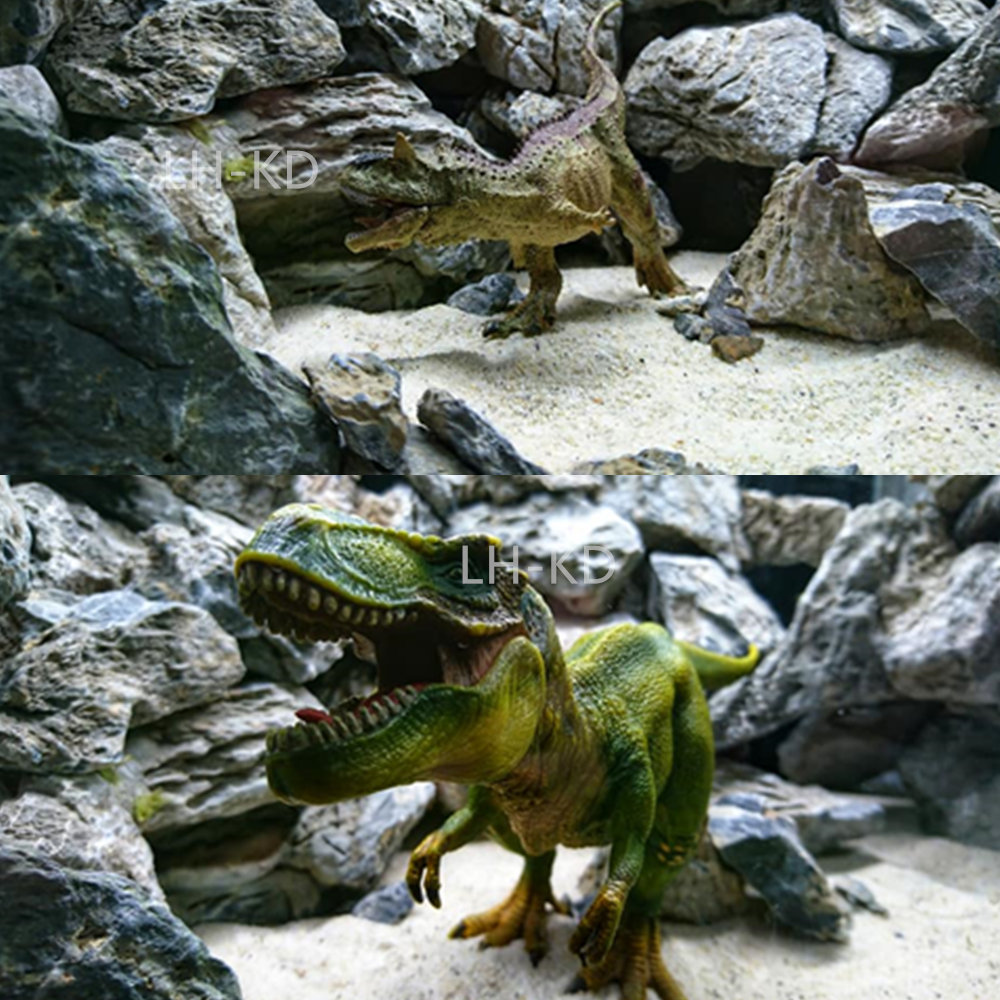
<point x="537" y="312"/>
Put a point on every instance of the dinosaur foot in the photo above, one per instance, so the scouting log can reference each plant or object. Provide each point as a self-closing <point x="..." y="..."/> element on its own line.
<point x="633" y="961"/>
<point x="521" y="915"/>
<point x="531" y="317"/>
<point x="654" y="272"/>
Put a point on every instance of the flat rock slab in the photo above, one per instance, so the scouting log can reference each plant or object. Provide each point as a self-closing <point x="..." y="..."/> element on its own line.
<point x="907" y="27"/>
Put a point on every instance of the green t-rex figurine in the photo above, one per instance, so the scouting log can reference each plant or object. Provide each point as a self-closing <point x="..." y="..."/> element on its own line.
<point x="609" y="744"/>
<point x="571" y="177"/>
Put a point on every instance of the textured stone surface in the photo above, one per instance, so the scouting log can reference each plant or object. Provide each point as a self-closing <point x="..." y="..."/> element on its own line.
<point x="750" y="93"/>
<point x="683" y="513"/>
<point x="790" y="529"/>
<point x="552" y="535"/>
<point x="208" y="762"/>
<point x="473" y="438"/>
<point x="388" y="905"/>
<point x="932" y="123"/>
<point x="111" y="660"/>
<point x="980" y="518"/>
<point x="698" y="601"/>
<point x="28" y="91"/>
<point x="953" y="771"/>
<point x="362" y="395"/>
<point x="173" y="60"/>
<point x="657" y="461"/>
<point x="28" y="26"/>
<point x="952" y="493"/>
<point x="117" y="333"/>
<point x="954" y="250"/>
<point x="15" y="546"/>
<point x="814" y="262"/>
<point x="493" y="294"/>
<point x="68" y="935"/>
<point x="905" y="27"/>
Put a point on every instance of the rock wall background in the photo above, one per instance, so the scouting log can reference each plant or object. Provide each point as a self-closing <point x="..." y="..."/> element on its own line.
<point x="135" y="695"/>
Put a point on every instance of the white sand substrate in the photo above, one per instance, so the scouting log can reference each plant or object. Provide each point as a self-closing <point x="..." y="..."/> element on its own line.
<point x="941" y="940"/>
<point x="614" y="377"/>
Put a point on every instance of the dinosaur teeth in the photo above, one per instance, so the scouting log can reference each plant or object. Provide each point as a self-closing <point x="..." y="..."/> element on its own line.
<point x="329" y="604"/>
<point x="294" y="588"/>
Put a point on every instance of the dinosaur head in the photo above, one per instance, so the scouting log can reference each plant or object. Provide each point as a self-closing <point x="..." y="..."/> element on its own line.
<point x="401" y="189"/>
<point x="460" y="687"/>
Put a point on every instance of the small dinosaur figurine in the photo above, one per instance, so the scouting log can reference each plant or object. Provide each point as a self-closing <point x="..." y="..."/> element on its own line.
<point x="610" y="743"/>
<point x="571" y="177"/>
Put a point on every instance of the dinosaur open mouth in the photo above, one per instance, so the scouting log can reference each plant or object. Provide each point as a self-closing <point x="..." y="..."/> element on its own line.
<point x="412" y="646"/>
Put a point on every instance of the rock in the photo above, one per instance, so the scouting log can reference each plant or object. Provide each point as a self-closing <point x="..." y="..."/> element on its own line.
<point x="208" y="762"/>
<point x="951" y="493"/>
<point x="814" y="262"/>
<point x="541" y="49"/>
<point x="698" y="601"/>
<point x="388" y="905"/>
<point x="767" y="852"/>
<point x="519" y="113"/>
<point x="173" y="61"/>
<point x="859" y="895"/>
<point x="493" y="294"/>
<point x="953" y="771"/>
<point x="110" y="660"/>
<point x="295" y="231"/>
<point x="954" y="250"/>
<point x="980" y="518"/>
<point x="933" y="123"/>
<point x="74" y="934"/>
<point x="81" y="823"/>
<point x="361" y="393"/>
<point x="349" y="844"/>
<point x="692" y="327"/>
<point x="146" y="334"/>
<point x="175" y="162"/>
<point x="15" y="547"/>
<point x="858" y="87"/>
<point x="28" y="26"/>
<point x="904" y="28"/>
<point x="786" y="530"/>
<point x="404" y="38"/>
<point x="578" y="553"/>
<point x="724" y="312"/>
<point x="504" y="490"/>
<point x="683" y="513"/>
<point x="248" y="499"/>
<point x="29" y="92"/>
<point x="734" y="347"/>
<point x="764" y="93"/>
<point x="650" y="460"/>
<point x="885" y="558"/>
<point x="470" y="435"/>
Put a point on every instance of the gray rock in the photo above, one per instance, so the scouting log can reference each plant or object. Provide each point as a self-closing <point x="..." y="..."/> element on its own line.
<point x="658" y="461"/>
<point x="174" y="60"/>
<point x="859" y="895"/>
<point x="767" y="852"/>
<point x="388" y="905"/>
<point x="15" y="547"/>
<point x="787" y="530"/>
<point x="814" y="262"/>
<point x="980" y="517"/>
<point x="539" y="45"/>
<point x="576" y="552"/>
<point x="493" y="294"/>
<point x="208" y="762"/>
<point x="724" y="310"/>
<point x="954" y="250"/>
<point x="951" y="493"/>
<point x="688" y="513"/>
<point x="28" y="26"/>
<point x="470" y="435"/>
<point x="349" y="844"/>
<point x="519" y="113"/>
<point x="110" y="661"/>
<point x="248" y="499"/>
<point x="75" y="934"/>
<point x="750" y="93"/>
<point x="933" y="123"/>
<point x="858" y="87"/>
<point x="149" y="318"/>
<point x="425" y="456"/>
<point x="28" y="91"/>
<point x="175" y="162"/>
<point x="692" y="327"/>
<point x="902" y="27"/>
<point x="82" y="822"/>
<point x="74" y="549"/>
<point x="362" y="395"/>
<point x="503" y="490"/>
<point x="953" y="771"/>
<point x="698" y="601"/>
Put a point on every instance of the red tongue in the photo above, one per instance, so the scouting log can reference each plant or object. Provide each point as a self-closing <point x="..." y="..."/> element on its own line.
<point x="312" y="715"/>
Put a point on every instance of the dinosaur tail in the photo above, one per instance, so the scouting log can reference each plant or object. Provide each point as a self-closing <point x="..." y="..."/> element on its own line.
<point x="715" y="670"/>
<point x="602" y="81"/>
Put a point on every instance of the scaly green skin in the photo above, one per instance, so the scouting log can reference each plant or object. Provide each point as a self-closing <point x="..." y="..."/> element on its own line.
<point x="570" y="178"/>
<point x="609" y="744"/>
